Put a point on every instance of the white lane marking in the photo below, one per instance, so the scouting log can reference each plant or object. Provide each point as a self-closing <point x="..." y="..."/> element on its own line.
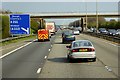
<point x="45" y="57"/>
<point x="9" y="47"/>
<point x="35" y="40"/>
<point x="104" y="41"/>
<point x="49" y="50"/>
<point x="39" y="70"/>
<point x="108" y="68"/>
<point x="14" y="50"/>
<point x="109" y="43"/>
<point x="13" y="46"/>
<point x="51" y="45"/>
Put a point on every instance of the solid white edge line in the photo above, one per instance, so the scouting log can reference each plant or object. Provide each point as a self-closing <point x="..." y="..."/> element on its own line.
<point x="10" y="47"/>
<point x="106" y="42"/>
<point x="14" y="50"/>
<point x="14" y="46"/>
<point x="35" y="40"/>
<point x="39" y="70"/>
<point x="45" y="57"/>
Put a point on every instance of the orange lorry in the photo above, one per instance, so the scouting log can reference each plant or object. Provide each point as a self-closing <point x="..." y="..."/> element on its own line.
<point x="43" y="33"/>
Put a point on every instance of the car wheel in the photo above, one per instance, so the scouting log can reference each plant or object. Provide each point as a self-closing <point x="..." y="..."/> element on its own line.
<point x="69" y="59"/>
<point x="39" y="40"/>
<point x="63" y="41"/>
<point x="48" y="40"/>
<point x="94" y="59"/>
<point x="74" y="39"/>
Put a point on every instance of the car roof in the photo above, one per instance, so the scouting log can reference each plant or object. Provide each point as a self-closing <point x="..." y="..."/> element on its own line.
<point x="67" y="32"/>
<point x="81" y="40"/>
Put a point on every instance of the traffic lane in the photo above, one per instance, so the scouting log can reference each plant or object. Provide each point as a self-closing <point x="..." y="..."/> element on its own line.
<point x="106" y="53"/>
<point x="57" y="66"/>
<point x="25" y="62"/>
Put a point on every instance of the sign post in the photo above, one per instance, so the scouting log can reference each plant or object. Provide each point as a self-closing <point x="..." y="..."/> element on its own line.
<point x="19" y="24"/>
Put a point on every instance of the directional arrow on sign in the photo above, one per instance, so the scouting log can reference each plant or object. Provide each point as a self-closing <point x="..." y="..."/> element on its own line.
<point x="27" y="30"/>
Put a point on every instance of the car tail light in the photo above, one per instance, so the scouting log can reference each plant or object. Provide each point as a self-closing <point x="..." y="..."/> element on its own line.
<point x="91" y="49"/>
<point x="75" y="50"/>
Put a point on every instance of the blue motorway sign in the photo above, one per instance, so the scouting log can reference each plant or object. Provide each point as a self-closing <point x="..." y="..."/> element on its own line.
<point x="19" y="24"/>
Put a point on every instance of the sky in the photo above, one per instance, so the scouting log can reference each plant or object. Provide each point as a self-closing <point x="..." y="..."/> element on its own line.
<point x="59" y="0"/>
<point x="37" y="7"/>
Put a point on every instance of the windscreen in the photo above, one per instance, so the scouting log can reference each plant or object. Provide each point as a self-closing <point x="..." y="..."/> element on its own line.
<point x="81" y="43"/>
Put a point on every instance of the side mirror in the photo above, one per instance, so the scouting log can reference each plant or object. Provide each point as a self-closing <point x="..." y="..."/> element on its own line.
<point x="68" y="46"/>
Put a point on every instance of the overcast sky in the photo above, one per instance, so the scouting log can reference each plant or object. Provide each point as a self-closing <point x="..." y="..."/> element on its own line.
<point x="37" y="7"/>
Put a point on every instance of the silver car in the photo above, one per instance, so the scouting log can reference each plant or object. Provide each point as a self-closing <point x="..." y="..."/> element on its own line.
<point x="81" y="49"/>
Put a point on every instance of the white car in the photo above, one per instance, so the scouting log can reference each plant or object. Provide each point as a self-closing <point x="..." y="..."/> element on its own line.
<point x="81" y="49"/>
<point x="76" y="32"/>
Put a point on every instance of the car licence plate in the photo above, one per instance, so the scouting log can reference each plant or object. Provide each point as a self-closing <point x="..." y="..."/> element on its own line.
<point x="83" y="50"/>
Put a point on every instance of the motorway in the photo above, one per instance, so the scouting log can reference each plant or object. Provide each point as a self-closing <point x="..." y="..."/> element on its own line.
<point x="48" y="60"/>
<point x="25" y="62"/>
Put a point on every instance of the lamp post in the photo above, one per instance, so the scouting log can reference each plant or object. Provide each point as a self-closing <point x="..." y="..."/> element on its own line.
<point x="96" y="15"/>
<point x="75" y="23"/>
<point x="86" y="14"/>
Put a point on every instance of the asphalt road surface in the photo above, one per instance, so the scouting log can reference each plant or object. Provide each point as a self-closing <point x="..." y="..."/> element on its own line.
<point x="41" y="60"/>
<point x="106" y="66"/>
<point x="26" y="62"/>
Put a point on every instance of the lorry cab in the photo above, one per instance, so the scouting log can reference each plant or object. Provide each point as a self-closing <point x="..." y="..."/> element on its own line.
<point x="43" y="35"/>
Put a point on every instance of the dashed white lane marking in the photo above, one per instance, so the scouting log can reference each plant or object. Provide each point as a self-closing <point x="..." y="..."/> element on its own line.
<point x="14" y="50"/>
<point x="49" y="50"/>
<point x="108" y="69"/>
<point x="39" y="70"/>
<point x="51" y="45"/>
<point x="45" y="57"/>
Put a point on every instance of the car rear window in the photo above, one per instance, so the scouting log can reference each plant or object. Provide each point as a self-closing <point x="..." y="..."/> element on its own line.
<point x="68" y="33"/>
<point x="81" y="43"/>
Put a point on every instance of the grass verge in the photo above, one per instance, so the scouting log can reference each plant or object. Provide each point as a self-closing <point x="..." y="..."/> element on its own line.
<point x="17" y="40"/>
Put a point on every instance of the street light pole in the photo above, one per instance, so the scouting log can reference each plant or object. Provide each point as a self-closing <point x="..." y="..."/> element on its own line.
<point x="96" y="15"/>
<point x="86" y="14"/>
<point x="75" y="23"/>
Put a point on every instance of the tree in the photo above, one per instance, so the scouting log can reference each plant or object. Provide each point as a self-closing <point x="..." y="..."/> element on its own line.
<point x="5" y="26"/>
<point x="34" y="25"/>
<point x="92" y="22"/>
<point x="118" y="25"/>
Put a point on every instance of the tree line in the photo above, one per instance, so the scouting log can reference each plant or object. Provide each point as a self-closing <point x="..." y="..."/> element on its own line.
<point x="102" y="23"/>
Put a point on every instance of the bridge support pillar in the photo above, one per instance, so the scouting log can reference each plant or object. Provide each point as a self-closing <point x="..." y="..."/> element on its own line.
<point x="83" y="24"/>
